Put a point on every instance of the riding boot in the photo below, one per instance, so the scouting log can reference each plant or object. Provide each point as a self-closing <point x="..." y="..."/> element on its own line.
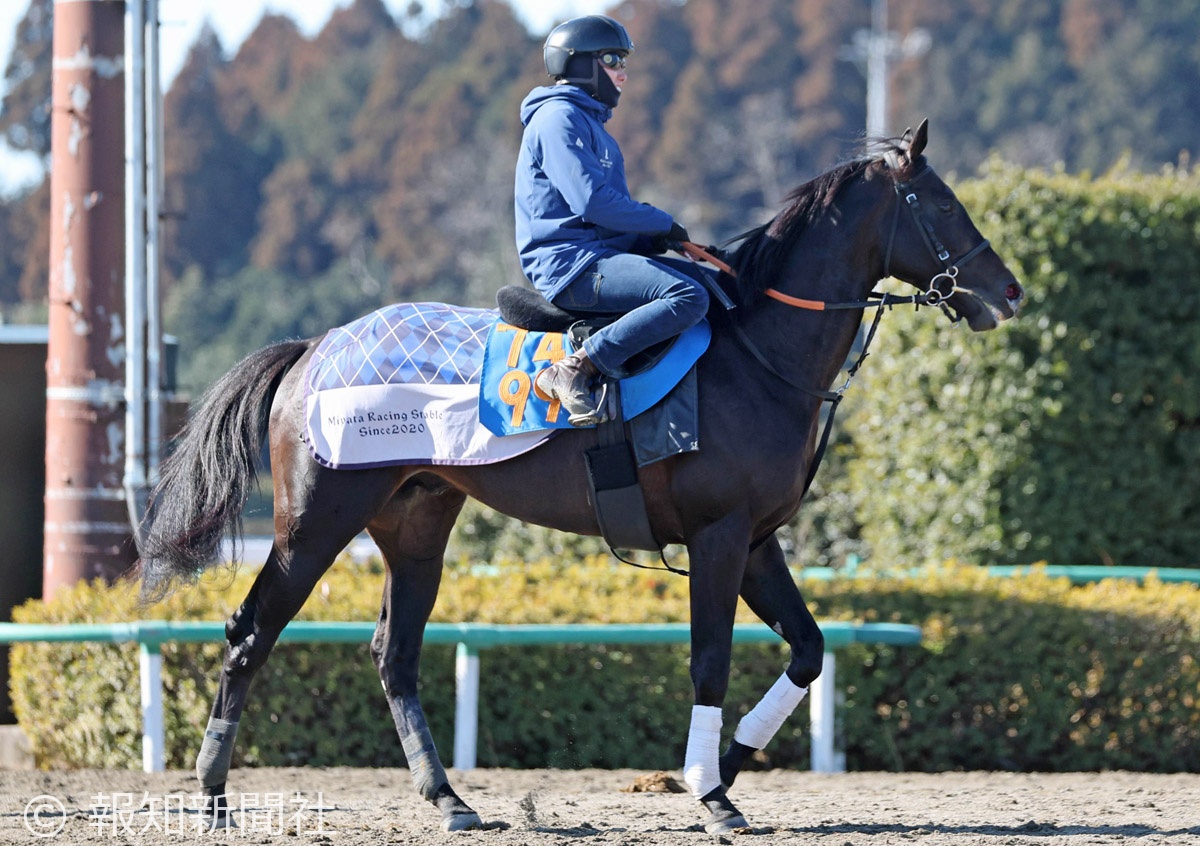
<point x="569" y="381"/>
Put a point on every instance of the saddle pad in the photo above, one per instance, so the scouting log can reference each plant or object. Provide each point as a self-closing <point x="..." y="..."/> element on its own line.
<point x="509" y="405"/>
<point x="401" y="386"/>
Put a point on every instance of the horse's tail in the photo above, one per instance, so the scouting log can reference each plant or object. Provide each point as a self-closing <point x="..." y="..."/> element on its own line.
<point x="207" y="479"/>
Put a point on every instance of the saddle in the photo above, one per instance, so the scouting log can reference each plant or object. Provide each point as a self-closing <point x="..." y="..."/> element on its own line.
<point x="616" y="493"/>
<point x="528" y="309"/>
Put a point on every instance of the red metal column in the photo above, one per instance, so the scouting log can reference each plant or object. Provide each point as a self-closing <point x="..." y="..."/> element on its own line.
<point x="87" y="526"/>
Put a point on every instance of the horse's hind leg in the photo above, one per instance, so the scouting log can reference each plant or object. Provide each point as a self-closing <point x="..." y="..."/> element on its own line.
<point x="337" y="505"/>
<point x="411" y="533"/>
<point x="771" y="593"/>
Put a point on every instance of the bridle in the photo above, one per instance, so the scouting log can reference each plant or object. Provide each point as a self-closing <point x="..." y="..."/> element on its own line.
<point x="906" y="196"/>
<point x="941" y="288"/>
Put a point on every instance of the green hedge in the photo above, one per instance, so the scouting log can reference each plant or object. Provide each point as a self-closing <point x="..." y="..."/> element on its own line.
<point x="1070" y="435"/>
<point x="1026" y="673"/>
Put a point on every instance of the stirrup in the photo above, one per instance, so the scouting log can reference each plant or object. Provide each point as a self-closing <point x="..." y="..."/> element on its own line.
<point x="593" y="417"/>
<point x="586" y="420"/>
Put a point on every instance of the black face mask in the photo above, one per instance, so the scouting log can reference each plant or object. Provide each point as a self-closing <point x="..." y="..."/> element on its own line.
<point x="584" y="71"/>
<point x="606" y="90"/>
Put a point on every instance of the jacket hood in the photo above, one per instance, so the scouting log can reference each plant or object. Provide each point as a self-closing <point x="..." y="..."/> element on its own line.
<point x="543" y="94"/>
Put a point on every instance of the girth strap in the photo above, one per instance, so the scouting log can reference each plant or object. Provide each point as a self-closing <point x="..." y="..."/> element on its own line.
<point x="616" y="492"/>
<point x="612" y="475"/>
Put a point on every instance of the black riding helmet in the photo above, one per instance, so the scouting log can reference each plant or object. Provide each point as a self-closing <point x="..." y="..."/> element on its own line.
<point x="573" y="47"/>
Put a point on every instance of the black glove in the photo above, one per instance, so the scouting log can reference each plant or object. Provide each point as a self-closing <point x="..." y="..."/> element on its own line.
<point x="719" y="252"/>
<point x="669" y="240"/>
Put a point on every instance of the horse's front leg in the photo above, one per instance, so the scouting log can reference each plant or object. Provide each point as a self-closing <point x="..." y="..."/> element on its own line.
<point x="718" y="558"/>
<point x="771" y="593"/>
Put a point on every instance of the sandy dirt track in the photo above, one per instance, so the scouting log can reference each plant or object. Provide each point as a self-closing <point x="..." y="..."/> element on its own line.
<point x="373" y="807"/>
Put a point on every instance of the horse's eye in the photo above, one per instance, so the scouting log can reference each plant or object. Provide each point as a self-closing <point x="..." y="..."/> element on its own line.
<point x="946" y="206"/>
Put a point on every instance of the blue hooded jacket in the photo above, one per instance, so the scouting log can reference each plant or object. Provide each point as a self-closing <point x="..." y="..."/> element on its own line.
<point x="572" y="203"/>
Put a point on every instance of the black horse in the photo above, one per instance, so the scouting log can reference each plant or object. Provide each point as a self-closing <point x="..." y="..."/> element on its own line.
<point x="760" y="382"/>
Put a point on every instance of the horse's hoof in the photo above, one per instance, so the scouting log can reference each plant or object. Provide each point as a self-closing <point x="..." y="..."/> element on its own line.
<point x="461" y="822"/>
<point x="724" y="817"/>
<point x="456" y="814"/>
<point x="217" y="822"/>
<point x="719" y="823"/>
<point x="215" y="816"/>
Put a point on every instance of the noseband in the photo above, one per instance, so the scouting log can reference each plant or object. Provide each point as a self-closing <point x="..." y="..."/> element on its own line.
<point x="906" y="196"/>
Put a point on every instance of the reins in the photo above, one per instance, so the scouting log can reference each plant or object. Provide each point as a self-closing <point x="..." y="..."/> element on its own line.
<point x="941" y="288"/>
<point x="834" y="397"/>
<point x="877" y="300"/>
<point x="934" y="295"/>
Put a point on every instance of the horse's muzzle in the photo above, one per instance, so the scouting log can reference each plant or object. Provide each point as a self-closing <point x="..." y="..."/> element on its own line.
<point x="1015" y="295"/>
<point x="989" y="312"/>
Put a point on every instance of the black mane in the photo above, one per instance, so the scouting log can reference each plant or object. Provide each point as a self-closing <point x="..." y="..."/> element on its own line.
<point x="760" y="258"/>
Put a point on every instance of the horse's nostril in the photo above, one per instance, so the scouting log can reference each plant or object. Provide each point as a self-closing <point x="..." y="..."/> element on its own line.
<point x="1014" y="293"/>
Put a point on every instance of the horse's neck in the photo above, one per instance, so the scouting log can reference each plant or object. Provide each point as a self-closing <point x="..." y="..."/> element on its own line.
<point x="813" y="345"/>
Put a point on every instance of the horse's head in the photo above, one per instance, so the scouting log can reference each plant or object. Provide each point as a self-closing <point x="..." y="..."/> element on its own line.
<point x="934" y="245"/>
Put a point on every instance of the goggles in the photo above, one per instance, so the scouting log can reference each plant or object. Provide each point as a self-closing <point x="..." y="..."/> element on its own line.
<point x="612" y="60"/>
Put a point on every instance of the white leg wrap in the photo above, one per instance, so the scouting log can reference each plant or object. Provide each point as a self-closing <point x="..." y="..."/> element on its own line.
<point x="758" y="727"/>
<point x="701" y="767"/>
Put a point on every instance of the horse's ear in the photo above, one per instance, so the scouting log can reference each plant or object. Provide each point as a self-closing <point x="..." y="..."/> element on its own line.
<point x="918" y="140"/>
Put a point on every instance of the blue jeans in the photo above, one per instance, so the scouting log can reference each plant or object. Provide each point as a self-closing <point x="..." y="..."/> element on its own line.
<point x="658" y="298"/>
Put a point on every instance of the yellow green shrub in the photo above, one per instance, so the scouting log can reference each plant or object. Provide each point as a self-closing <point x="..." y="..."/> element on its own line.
<point x="1023" y="673"/>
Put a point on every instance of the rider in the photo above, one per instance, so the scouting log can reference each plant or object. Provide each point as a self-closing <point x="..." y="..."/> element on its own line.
<point x="584" y="242"/>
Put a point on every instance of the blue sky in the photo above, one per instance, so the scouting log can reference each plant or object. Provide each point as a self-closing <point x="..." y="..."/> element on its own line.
<point x="234" y="20"/>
